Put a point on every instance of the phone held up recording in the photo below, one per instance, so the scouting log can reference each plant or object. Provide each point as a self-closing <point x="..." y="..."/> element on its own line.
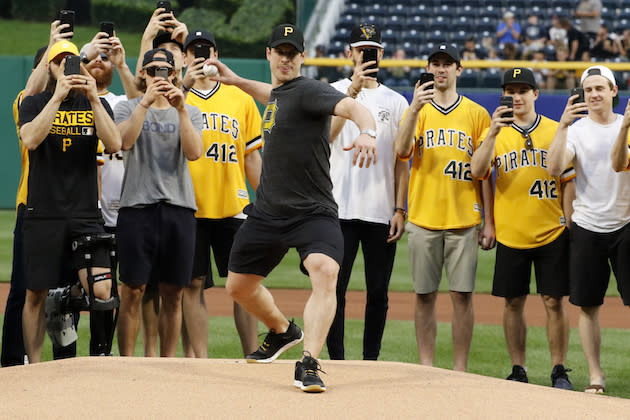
<point x="202" y="50"/>
<point x="509" y="102"/>
<point x="426" y="77"/>
<point x="371" y="54"/>
<point x="72" y="65"/>
<point x="67" y="16"/>
<point x="580" y="92"/>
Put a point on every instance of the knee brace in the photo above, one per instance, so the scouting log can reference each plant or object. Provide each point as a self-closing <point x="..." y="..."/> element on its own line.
<point x="59" y="317"/>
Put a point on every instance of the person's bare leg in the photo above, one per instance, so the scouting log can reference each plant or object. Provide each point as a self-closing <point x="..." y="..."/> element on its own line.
<point x="150" y="312"/>
<point x="319" y="310"/>
<point x="557" y="329"/>
<point x="426" y="326"/>
<point x="247" y="290"/>
<point x="247" y="327"/>
<point x="515" y="329"/>
<point x="129" y="318"/>
<point x="463" y="324"/>
<point x="170" y="318"/>
<point x="34" y="323"/>
<point x="195" y="320"/>
<point x="590" y="335"/>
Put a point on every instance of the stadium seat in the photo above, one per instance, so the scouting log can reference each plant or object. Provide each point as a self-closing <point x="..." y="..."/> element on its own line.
<point x="491" y="78"/>
<point x="468" y="79"/>
<point x="436" y="36"/>
<point x="421" y="10"/>
<point x="342" y="34"/>
<point x="491" y="11"/>
<point x="440" y="23"/>
<point x="458" y="37"/>
<point x="567" y="5"/>
<point x="336" y="47"/>
<point x="391" y="36"/>
<point x="400" y="9"/>
<point x="497" y="4"/>
<point x="347" y="21"/>
<point x="413" y="36"/>
<point x="462" y="23"/>
<point x="411" y="49"/>
<point x="623" y="13"/>
<point x="468" y="11"/>
<point x="612" y="4"/>
<point x="394" y="22"/>
<point x="621" y="24"/>
<point x="376" y="9"/>
<point x="419" y="23"/>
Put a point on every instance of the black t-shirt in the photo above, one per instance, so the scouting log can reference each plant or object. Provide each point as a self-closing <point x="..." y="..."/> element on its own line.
<point x="583" y="42"/>
<point x="62" y="177"/>
<point x="295" y="178"/>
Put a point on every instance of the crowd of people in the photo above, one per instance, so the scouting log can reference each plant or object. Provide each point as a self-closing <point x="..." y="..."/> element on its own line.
<point x="344" y="164"/>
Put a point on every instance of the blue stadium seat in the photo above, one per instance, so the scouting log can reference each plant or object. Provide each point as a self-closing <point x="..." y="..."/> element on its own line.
<point x="439" y="22"/>
<point x="376" y="9"/>
<point x="394" y="22"/>
<point x="497" y="4"/>
<point x="411" y="49"/>
<point x="346" y="21"/>
<point x="425" y="50"/>
<point x="436" y="36"/>
<point x="491" y="78"/>
<point x="391" y="36"/>
<point x="543" y="4"/>
<point x="342" y="34"/>
<point x="491" y="11"/>
<point x="486" y="23"/>
<point x="468" y="11"/>
<point x="444" y="9"/>
<point x="620" y="25"/>
<point x="612" y="4"/>
<point x="413" y="35"/>
<point x="624" y="13"/>
<point x="353" y="8"/>
<point x="468" y="79"/>
<point x="400" y="9"/>
<point x="462" y="23"/>
<point x="567" y="5"/>
<point x="458" y="37"/>
<point x="336" y="47"/>
<point x="419" y="23"/>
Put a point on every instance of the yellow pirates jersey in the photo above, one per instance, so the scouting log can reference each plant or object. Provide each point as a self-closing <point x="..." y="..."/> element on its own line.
<point x="528" y="201"/>
<point x="231" y="130"/>
<point x="22" y="188"/>
<point x="442" y="192"/>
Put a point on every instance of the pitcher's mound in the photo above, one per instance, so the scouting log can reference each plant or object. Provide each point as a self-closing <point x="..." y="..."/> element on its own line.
<point x="115" y="387"/>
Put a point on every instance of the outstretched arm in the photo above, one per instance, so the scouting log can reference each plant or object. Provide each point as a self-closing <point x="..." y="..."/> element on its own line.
<point x="364" y="146"/>
<point x="258" y="90"/>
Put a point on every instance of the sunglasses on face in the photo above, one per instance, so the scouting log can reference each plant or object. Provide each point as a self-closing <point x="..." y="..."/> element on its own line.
<point x="528" y="141"/>
<point x="151" y="70"/>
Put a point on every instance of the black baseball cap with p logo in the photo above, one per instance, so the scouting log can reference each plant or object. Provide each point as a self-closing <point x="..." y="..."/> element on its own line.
<point x="287" y="34"/>
<point x="365" y="35"/>
<point x="519" y="75"/>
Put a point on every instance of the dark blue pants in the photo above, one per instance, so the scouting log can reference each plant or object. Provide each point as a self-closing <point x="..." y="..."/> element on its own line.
<point x="379" y="262"/>
<point x="12" y="338"/>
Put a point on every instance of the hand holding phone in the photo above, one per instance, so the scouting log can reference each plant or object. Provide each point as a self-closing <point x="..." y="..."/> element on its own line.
<point x="580" y="92"/>
<point x="108" y="27"/>
<point x="509" y="102"/>
<point x="72" y="65"/>
<point x="371" y="54"/>
<point x="67" y="16"/>
<point x="164" y="4"/>
<point x="426" y="77"/>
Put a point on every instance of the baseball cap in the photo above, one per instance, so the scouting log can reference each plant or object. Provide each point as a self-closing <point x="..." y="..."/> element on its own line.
<point x="62" y="47"/>
<point x="199" y="35"/>
<point x="519" y="75"/>
<point x="287" y="34"/>
<point x="164" y="37"/>
<point x="149" y="56"/>
<point x="447" y="49"/>
<point x="599" y="71"/>
<point x="365" y="35"/>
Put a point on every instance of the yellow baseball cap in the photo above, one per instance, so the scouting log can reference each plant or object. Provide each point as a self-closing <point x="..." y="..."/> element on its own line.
<point x="62" y="47"/>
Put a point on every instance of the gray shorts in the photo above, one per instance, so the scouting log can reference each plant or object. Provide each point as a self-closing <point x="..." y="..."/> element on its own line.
<point x="454" y="249"/>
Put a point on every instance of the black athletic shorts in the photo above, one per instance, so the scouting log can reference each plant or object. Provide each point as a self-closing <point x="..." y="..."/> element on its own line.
<point x="156" y="243"/>
<point x="512" y="269"/>
<point x="261" y="243"/>
<point x="216" y="235"/>
<point x="48" y="258"/>
<point x="589" y="269"/>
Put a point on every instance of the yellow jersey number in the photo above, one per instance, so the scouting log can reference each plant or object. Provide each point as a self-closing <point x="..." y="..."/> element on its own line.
<point x="458" y="170"/>
<point x="544" y="188"/>
<point x="223" y="153"/>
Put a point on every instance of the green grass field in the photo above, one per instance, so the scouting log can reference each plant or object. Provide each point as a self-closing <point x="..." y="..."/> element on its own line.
<point x="488" y="353"/>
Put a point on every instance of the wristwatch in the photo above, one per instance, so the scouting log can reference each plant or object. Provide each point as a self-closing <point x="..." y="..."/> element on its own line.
<point x="369" y="132"/>
<point x="84" y="58"/>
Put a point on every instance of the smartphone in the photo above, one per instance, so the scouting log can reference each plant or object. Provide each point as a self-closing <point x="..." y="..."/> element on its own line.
<point x="371" y="54"/>
<point x="108" y="27"/>
<point x="162" y="72"/>
<point x="426" y="77"/>
<point x="164" y="4"/>
<point x="72" y="65"/>
<point x="509" y="102"/>
<point x="578" y="91"/>
<point x="202" y="50"/>
<point x="67" y="16"/>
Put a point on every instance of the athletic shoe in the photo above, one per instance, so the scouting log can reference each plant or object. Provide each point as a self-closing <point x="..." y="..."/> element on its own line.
<point x="560" y="379"/>
<point x="306" y="377"/>
<point x="275" y="344"/>
<point x="518" y="374"/>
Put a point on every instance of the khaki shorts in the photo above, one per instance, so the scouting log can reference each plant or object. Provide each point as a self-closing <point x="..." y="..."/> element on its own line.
<point x="430" y="250"/>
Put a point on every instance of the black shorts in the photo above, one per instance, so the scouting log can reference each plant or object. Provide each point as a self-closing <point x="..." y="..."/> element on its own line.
<point x="589" y="269"/>
<point x="48" y="258"/>
<point x="156" y="244"/>
<point x="261" y="243"/>
<point x="216" y="235"/>
<point x="512" y="269"/>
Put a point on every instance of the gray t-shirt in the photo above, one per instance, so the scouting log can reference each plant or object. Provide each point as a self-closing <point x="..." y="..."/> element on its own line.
<point x="295" y="178"/>
<point x="156" y="169"/>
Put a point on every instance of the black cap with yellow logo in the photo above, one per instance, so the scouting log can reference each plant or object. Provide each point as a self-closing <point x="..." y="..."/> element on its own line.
<point x="287" y="34"/>
<point x="365" y="35"/>
<point x="519" y="75"/>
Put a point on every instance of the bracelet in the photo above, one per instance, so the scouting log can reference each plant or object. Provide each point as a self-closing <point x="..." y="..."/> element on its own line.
<point x="401" y="211"/>
<point x="352" y="92"/>
<point x="184" y="88"/>
<point x="142" y="105"/>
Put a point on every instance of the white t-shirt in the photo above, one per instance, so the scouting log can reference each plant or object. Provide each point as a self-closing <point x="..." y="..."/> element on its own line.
<point x="112" y="173"/>
<point x="602" y="202"/>
<point x="368" y="194"/>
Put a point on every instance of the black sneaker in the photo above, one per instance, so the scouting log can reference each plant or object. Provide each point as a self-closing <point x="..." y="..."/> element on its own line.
<point x="275" y="344"/>
<point x="306" y="377"/>
<point x="518" y="374"/>
<point x="560" y="379"/>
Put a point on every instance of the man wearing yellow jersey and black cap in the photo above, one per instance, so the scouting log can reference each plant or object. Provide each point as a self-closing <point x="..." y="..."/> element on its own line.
<point x="531" y="209"/>
<point x="440" y="131"/>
